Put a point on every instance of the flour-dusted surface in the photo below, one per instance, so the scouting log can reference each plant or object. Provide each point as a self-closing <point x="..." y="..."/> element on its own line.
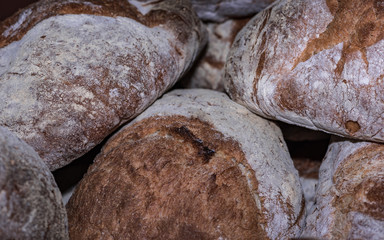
<point x="71" y="79"/>
<point x="309" y="189"/>
<point x="350" y="195"/>
<point x="208" y="72"/>
<point x="316" y="64"/>
<point x="221" y="10"/>
<point x="30" y="201"/>
<point x="279" y="190"/>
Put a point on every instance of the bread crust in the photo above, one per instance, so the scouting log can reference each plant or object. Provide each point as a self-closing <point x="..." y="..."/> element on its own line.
<point x="30" y="201"/>
<point x="222" y="10"/>
<point x="73" y="71"/>
<point x="208" y="71"/>
<point x="349" y="198"/>
<point x="187" y="166"/>
<point x="316" y="64"/>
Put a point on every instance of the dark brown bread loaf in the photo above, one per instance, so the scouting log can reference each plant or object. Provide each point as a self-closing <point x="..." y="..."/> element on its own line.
<point x="30" y="202"/>
<point x="313" y="63"/>
<point x="194" y="165"/>
<point x="350" y="195"/>
<point x="73" y="71"/>
<point x="221" y="10"/>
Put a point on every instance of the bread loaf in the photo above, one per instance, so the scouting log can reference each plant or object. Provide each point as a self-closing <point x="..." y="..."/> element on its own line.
<point x="208" y="70"/>
<point x="30" y="202"/>
<point x="194" y="165"/>
<point x="313" y="63"/>
<point x="350" y="195"/>
<point x="71" y="72"/>
<point x="221" y="10"/>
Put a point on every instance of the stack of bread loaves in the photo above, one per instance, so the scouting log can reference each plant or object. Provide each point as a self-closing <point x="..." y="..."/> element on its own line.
<point x="209" y="69"/>
<point x="192" y="163"/>
<point x="319" y="64"/>
<point x="223" y="20"/>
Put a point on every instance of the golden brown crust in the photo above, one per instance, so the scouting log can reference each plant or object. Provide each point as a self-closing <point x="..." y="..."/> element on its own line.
<point x="167" y="178"/>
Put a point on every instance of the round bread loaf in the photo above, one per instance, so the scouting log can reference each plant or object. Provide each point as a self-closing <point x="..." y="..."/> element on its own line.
<point x="221" y="10"/>
<point x="313" y="63"/>
<point x="71" y="72"/>
<point x="194" y="165"/>
<point x="209" y="68"/>
<point x="30" y="202"/>
<point x="350" y="195"/>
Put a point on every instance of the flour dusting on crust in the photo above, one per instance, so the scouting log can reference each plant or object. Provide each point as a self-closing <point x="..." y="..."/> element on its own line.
<point x="278" y="180"/>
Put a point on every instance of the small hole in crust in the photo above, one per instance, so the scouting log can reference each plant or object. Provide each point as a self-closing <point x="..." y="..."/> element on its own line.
<point x="352" y="126"/>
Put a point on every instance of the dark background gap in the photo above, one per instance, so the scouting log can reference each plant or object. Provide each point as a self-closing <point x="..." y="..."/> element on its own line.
<point x="7" y="8"/>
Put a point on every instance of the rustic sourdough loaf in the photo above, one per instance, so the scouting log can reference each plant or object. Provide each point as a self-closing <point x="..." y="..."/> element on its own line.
<point x="73" y="71"/>
<point x="30" y="202"/>
<point x="313" y="63"/>
<point x="350" y="195"/>
<point x="221" y="10"/>
<point x="194" y="165"/>
<point x="208" y="70"/>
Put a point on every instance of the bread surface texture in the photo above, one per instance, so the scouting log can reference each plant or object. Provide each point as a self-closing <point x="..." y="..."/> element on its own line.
<point x="30" y="201"/>
<point x="316" y="64"/>
<point x="208" y="71"/>
<point x="222" y="10"/>
<point x="194" y="165"/>
<point x="350" y="195"/>
<point x="71" y="72"/>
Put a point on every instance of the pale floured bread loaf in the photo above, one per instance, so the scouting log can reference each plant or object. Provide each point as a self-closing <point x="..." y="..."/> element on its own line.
<point x="30" y="202"/>
<point x="194" y="165"/>
<point x="350" y="195"/>
<point x="313" y="63"/>
<point x="209" y="69"/>
<point x="221" y="10"/>
<point x="73" y="71"/>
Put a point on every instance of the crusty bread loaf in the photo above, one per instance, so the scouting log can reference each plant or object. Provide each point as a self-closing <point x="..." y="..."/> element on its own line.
<point x="313" y="63"/>
<point x="194" y="165"/>
<point x="30" y="202"/>
<point x="350" y="195"/>
<point x="221" y="10"/>
<point x="73" y="71"/>
<point x="208" y="70"/>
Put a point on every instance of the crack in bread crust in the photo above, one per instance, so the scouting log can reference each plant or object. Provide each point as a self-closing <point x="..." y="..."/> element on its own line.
<point x="157" y="186"/>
